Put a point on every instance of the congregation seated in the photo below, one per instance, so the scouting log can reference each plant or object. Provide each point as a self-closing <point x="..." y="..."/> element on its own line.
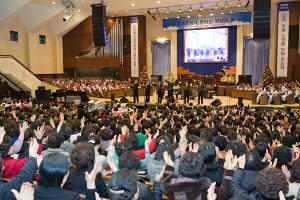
<point x="93" y="87"/>
<point x="161" y="152"/>
<point x="288" y="93"/>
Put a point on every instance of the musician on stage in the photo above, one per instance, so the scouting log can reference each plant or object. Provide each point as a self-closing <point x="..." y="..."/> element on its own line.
<point x="187" y="90"/>
<point x="135" y="89"/>
<point x="201" y="92"/>
<point x="160" y="92"/>
<point x="147" y="92"/>
<point x="171" y="93"/>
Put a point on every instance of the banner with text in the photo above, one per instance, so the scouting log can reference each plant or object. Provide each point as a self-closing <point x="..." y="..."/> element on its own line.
<point x="134" y="47"/>
<point x="283" y="39"/>
<point x="217" y="20"/>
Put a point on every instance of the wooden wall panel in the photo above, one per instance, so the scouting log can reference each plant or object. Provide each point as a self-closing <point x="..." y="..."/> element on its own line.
<point x="81" y="37"/>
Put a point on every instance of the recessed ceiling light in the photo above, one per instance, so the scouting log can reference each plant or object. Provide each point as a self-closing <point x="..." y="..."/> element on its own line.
<point x="53" y="3"/>
<point x="199" y="15"/>
<point x="158" y="2"/>
<point x="127" y="11"/>
<point x="132" y="4"/>
<point x="222" y="13"/>
<point x="211" y="14"/>
<point x="188" y="16"/>
<point x="178" y="17"/>
<point x="79" y="10"/>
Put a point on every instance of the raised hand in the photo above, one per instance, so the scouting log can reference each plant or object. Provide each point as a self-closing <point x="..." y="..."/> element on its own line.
<point x="23" y="128"/>
<point x="231" y="162"/>
<point x="91" y="177"/>
<point x="26" y="192"/>
<point x="281" y="196"/>
<point x="2" y="134"/>
<point x="183" y="132"/>
<point x="286" y="172"/>
<point x="39" y="132"/>
<point x="273" y="165"/>
<point x="267" y="157"/>
<point x="168" y="159"/>
<point x="82" y="121"/>
<point x="242" y="161"/>
<point x="33" y="148"/>
<point x="159" y="176"/>
<point x="211" y="195"/>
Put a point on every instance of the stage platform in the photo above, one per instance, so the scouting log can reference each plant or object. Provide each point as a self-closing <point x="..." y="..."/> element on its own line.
<point x="226" y="101"/>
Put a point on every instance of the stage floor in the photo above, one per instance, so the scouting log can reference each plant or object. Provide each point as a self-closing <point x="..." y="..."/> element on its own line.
<point x="226" y="101"/>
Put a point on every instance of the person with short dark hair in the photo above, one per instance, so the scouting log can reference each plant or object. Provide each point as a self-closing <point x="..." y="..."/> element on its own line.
<point x="294" y="182"/>
<point x="124" y="185"/>
<point x="54" y="142"/>
<point x="53" y="173"/>
<point x="243" y="180"/>
<point x="83" y="159"/>
<point x="129" y="160"/>
<point x="283" y="155"/>
<point x="269" y="183"/>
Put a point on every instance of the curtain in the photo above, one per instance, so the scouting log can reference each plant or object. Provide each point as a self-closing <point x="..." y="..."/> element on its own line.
<point x="161" y="57"/>
<point x="256" y="57"/>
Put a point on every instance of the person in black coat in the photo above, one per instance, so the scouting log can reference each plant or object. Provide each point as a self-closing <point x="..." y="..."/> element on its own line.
<point x="147" y="92"/>
<point x="187" y="90"/>
<point x="83" y="157"/>
<point x="53" y="173"/>
<point x="171" y="93"/>
<point x="160" y="92"/>
<point x="201" y="92"/>
<point x="135" y="89"/>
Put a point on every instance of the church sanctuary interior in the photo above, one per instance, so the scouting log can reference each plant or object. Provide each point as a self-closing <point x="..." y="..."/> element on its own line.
<point x="149" y="99"/>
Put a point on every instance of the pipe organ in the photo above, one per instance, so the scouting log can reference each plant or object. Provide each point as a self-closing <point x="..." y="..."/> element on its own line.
<point x="114" y="47"/>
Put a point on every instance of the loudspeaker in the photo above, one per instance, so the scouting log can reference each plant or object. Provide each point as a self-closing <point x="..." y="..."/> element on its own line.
<point x="245" y="79"/>
<point x="124" y="100"/>
<point x="261" y="19"/>
<point x="216" y="103"/>
<point x="42" y="94"/>
<point x="99" y="25"/>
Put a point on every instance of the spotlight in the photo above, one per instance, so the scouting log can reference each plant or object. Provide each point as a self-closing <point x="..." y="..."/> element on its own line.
<point x="179" y="9"/>
<point x="222" y="13"/>
<point x="216" y="6"/>
<point x="178" y="16"/>
<point x="211" y="14"/>
<point x="66" y="18"/>
<point x="190" y="9"/>
<point x="188" y="16"/>
<point x="239" y="4"/>
<point x="199" y="15"/>
<point x="226" y="4"/>
<point x="201" y="7"/>
<point x="231" y="11"/>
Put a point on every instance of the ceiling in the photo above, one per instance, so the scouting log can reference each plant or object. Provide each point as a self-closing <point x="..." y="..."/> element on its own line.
<point x="36" y="13"/>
